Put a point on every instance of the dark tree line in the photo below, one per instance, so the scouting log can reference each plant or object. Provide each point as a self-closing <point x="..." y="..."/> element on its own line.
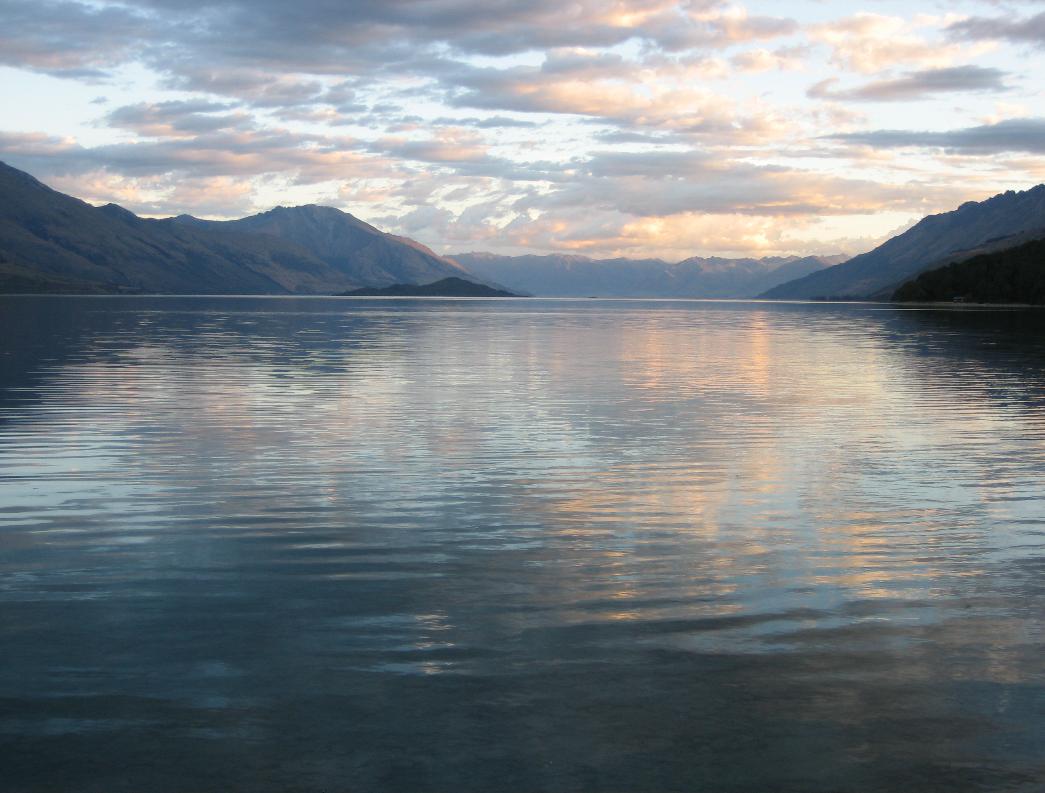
<point x="1014" y="275"/>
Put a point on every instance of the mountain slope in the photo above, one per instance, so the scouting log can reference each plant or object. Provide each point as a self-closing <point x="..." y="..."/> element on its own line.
<point x="356" y="249"/>
<point x="991" y="246"/>
<point x="1013" y="275"/>
<point x="932" y="240"/>
<point x="580" y="276"/>
<point x="51" y="242"/>
<point x="723" y="278"/>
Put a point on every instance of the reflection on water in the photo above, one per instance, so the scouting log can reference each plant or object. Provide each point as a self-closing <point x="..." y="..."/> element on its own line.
<point x="333" y="545"/>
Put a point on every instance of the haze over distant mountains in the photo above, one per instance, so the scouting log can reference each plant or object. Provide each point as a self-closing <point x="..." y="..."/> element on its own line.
<point x="1004" y="221"/>
<point x="580" y="276"/>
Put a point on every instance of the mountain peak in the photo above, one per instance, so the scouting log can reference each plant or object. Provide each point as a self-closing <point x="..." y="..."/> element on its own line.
<point x="308" y="209"/>
<point x="312" y="215"/>
<point x="117" y="212"/>
<point x="64" y="243"/>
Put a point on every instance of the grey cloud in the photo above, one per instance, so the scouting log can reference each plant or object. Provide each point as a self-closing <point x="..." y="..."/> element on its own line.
<point x="1030" y="30"/>
<point x="343" y="97"/>
<point x="492" y="122"/>
<point x="497" y="122"/>
<point x="309" y="158"/>
<point x="191" y="117"/>
<point x="433" y="151"/>
<point x="625" y="136"/>
<point x="261" y="90"/>
<point x="652" y="164"/>
<point x="71" y="39"/>
<point x="577" y="65"/>
<point x="387" y="108"/>
<point x="227" y="144"/>
<point x="425" y="217"/>
<point x="916" y="85"/>
<point x="297" y="61"/>
<point x="324" y="37"/>
<point x="1014" y="135"/>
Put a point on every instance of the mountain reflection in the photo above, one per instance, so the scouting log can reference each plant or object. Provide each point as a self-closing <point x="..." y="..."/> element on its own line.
<point x="544" y="546"/>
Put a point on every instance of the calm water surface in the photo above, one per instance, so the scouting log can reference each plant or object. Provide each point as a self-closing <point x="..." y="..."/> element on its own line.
<point x="341" y="545"/>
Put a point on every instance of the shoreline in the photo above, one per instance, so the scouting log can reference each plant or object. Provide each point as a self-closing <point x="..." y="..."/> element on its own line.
<point x="953" y="305"/>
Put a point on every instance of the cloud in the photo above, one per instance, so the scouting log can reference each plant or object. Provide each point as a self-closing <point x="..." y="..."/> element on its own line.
<point x="759" y="60"/>
<point x="259" y="89"/>
<point x="666" y="183"/>
<point x="870" y="43"/>
<point x="497" y="122"/>
<point x="319" y="37"/>
<point x="1029" y="30"/>
<point x="649" y="100"/>
<point x="592" y="125"/>
<point x="448" y="146"/>
<point x="183" y="118"/>
<point x="224" y="153"/>
<point x="617" y="234"/>
<point x="916" y="85"/>
<point x="1012" y="135"/>
<point x="70" y="39"/>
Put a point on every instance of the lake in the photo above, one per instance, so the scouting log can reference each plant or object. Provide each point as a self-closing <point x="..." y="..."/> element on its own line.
<point x="302" y="544"/>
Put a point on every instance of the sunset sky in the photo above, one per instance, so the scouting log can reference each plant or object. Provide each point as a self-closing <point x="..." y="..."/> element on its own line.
<point x="635" y="128"/>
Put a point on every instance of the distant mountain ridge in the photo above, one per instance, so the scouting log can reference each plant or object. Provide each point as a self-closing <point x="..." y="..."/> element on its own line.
<point x="1003" y="221"/>
<point x="565" y="275"/>
<point x="51" y="242"/>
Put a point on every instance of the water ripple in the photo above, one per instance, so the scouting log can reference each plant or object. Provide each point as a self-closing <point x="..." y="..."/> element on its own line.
<point x="548" y="545"/>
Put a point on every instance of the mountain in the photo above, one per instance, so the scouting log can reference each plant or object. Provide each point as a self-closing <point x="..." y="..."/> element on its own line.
<point x="1013" y="275"/>
<point x="51" y="242"/>
<point x="1000" y="221"/>
<point x="991" y="246"/>
<point x="580" y="276"/>
<point x="355" y="249"/>
<point x="448" y="287"/>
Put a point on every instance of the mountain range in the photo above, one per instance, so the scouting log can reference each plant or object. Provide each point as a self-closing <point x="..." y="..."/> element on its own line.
<point x="580" y="276"/>
<point x="51" y="242"/>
